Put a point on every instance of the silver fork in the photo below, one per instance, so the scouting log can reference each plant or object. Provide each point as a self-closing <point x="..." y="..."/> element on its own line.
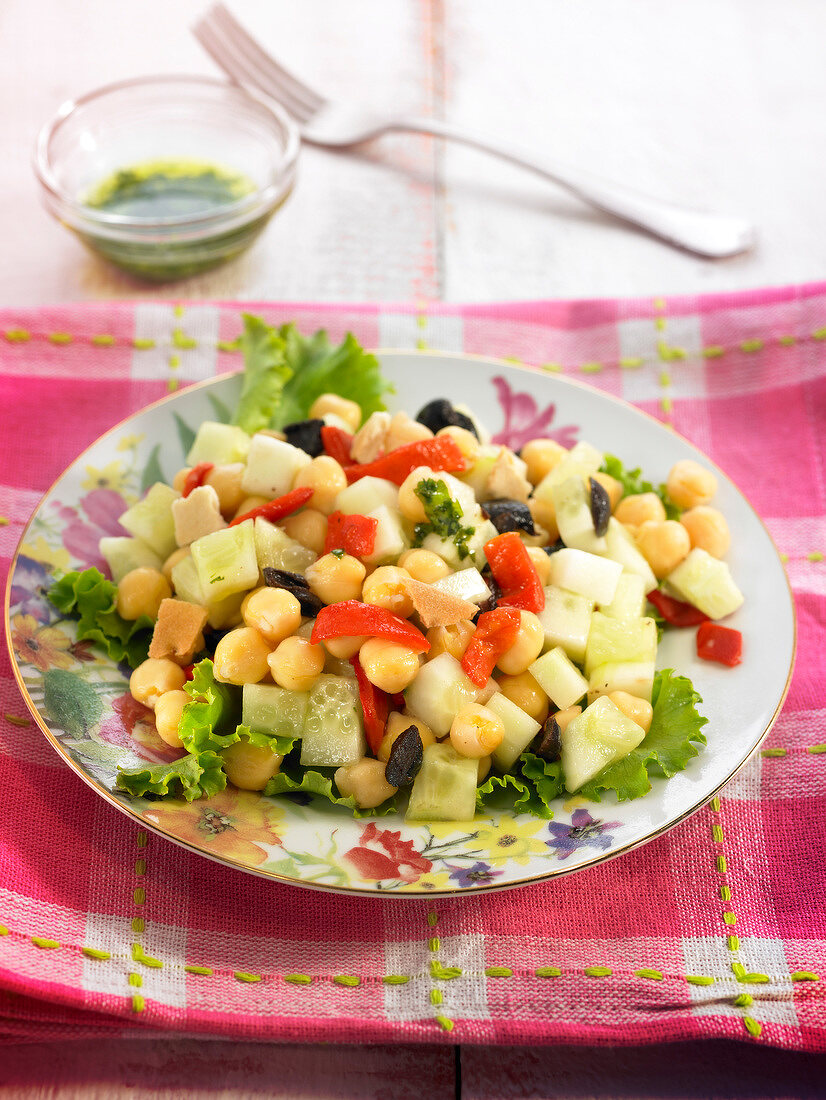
<point x="338" y="125"/>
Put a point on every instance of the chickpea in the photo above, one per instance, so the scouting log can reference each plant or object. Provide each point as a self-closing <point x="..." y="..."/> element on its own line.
<point x="366" y="782"/>
<point x="248" y="503"/>
<point x="465" y="440"/>
<point x="544" y="515"/>
<point x="172" y="561"/>
<point x="241" y="657"/>
<point x="525" y="693"/>
<point x="309" y="527"/>
<point x="452" y="639"/>
<point x="564" y="717"/>
<point x="663" y="545"/>
<point x="334" y="578"/>
<point x="250" y="767"/>
<point x="326" y="478"/>
<point x="345" y="647"/>
<point x="348" y="410"/>
<point x="476" y="731"/>
<point x="424" y="565"/>
<point x="707" y="529"/>
<point x="154" y="678"/>
<point x="179" y="480"/>
<point x="387" y="665"/>
<point x="168" y="711"/>
<point x="639" y="508"/>
<point x="296" y="664"/>
<point x="409" y="504"/>
<point x="396" y="724"/>
<point x="526" y="648"/>
<point x="385" y="587"/>
<point x="541" y="456"/>
<point x="611" y="486"/>
<point x="405" y="430"/>
<point x="273" y="612"/>
<point x="638" y="710"/>
<point x="141" y="592"/>
<point x="486" y="693"/>
<point x="541" y="563"/>
<point x="690" y="484"/>
<point x="483" y="769"/>
<point x="226" y="481"/>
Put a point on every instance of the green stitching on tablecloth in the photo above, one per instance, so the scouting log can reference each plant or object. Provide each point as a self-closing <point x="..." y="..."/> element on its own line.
<point x="298" y="979"/>
<point x="17" y="335"/>
<point x="439" y="972"/>
<point x="4" y="521"/>
<point x="204" y="971"/>
<point x="444" y="1023"/>
<point x="136" y="980"/>
<point x="787" y="341"/>
<point x="631" y="362"/>
<point x="498" y="972"/>
<point x="349" y="980"/>
<point x="752" y="1026"/>
<point x="243" y="976"/>
<point x="725" y="893"/>
<point x="805" y="976"/>
<point x="434" y="943"/>
<point x="548" y="972"/>
<point x="819" y="334"/>
<point x="96" y="953"/>
<point x="444" y="973"/>
<point x="432" y="919"/>
<point x="815" y="555"/>
<point x="598" y="971"/>
<point x="591" y="368"/>
<point x="44" y="944"/>
<point x="103" y="340"/>
<point x="667" y="354"/>
<point x="138" y="1003"/>
<point x="138" y="923"/>
<point x="181" y="340"/>
<point x="139" y="895"/>
<point x="17" y="721"/>
<point x="143" y="343"/>
<point x="713" y="352"/>
<point x="552" y="368"/>
<point x="140" y="866"/>
<point x="147" y="960"/>
<point x="395" y="979"/>
<point x="730" y="918"/>
<point x="733" y="943"/>
<point x="654" y="975"/>
<point x="816" y="749"/>
<point x="436" y="997"/>
<point x="752" y="345"/>
<point x="773" y="752"/>
<point x="60" y="337"/>
<point x="699" y="979"/>
<point x="744" y="1000"/>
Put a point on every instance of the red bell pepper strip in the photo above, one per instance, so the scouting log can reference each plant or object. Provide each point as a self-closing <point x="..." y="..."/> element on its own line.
<point x="495" y="633"/>
<point x="337" y="444"/>
<point x="674" y="611"/>
<point x="720" y="644"/>
<point x="515" y="573"/>
<point x="279" y="508"/>
<point x="196" y="477"/>
<point x="351" y="618"/>
<point x="352" y="533"/>
<point x="376" y="707"/>
<point x="439" y="453"/>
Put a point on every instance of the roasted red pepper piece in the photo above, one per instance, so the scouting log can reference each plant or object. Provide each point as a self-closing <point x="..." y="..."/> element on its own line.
<point x="439" y="453"/>
<point x="720" y="644"/>
<point x="515" y="573"/>
<point x="337" y="444"/>
<point x="277" y="509"/>
<point x="196" y="477"/>
<point x="352" y="533"/>
<point x="674" y="611"/>
<point x="351" y="618"/>
<point x="495" y="633"/>
<point x="376" y="706"/>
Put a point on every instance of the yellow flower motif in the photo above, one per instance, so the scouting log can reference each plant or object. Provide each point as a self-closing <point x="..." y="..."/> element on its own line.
<point x="130" y="441"/>
<point x="112" y="476"/>
<point x="433" y="880"/>
<point x="42" y="646"/>
<point x="39" y="550"/>
<point x="511" y="840"/>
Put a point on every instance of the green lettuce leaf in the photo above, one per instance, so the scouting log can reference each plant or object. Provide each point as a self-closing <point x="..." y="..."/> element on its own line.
<point x="213" y="707"/>
<point x="196" y="775"/>
<point x="633" y="482"/>
<point x="273" y="742"/>
<point x="92" y="599"/>
<point x="530" y="791"/>
<point x="297" y="780"/>
<point x="672" y="740"/>
<point x="266" y="372"/>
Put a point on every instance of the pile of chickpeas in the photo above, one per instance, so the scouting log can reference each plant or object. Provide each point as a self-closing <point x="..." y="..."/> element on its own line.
<point x="269" y="640"/>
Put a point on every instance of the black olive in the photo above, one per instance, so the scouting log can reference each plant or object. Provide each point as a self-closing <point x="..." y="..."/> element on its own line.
<point x="495" y="592"/>
<point x="440" y="414"/>
<point x="600" y="507"/>
<point x="548" y="743"/>
<point x="552" y="549"/>
<point x="297" y="585"/>
<point x="306" y="435"/>
<point x="509" y="515"/>
<point x="405" y="758"/>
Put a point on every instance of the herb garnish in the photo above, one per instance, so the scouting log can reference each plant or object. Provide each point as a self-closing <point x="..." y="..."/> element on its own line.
<point x="444" y="516"/>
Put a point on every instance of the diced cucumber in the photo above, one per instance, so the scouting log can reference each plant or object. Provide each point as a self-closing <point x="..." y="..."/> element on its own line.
<point x="439" y="692"/>
<point x="620" y="546"/>
<point x="483" y="532"/>
<point x="465" y="584"/>
<point x="629" y="599"/>
<point x="566" y="620"/>
<point x="559" y="678"/>
<point x="391" y="540"/>
<point x="123" y="554"/>
<point x="587" y="574"/>
<point x="581" y="462"/>
<point x="274" y="710"/>
<point x="333" y="729"/>
<point x="520" y="730"/>
<point x="274" y="548"/>
<point x="634" y="677"/>
<point x="226" y="561"/>
<point x="221" y="444"/>
<point x="367" y="493"/>
<point x="705" y="582"/>
<point x="600" y="736"/>
<point x="476" y="477"/>
<point x="619" y="640"/>
<point x="271" y="466"/>
<point x="151" y="520"/>
<point x="573" y="516"/>
<point x="220" y="613"/>
<point x="445" y="787"/>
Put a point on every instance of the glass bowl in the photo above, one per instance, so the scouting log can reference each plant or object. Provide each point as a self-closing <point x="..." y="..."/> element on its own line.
<point x="163" y="130"/>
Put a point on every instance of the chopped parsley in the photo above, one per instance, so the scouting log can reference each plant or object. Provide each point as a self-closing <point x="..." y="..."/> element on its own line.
<point x="337" y="553"/>
<point x="444" y="516"/>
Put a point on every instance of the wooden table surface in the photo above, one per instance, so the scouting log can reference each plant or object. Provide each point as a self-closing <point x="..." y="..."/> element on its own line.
<point x="717" y="103"/>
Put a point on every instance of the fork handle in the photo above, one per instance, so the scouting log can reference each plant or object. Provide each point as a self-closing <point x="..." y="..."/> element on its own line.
<point x="712" y="235"/>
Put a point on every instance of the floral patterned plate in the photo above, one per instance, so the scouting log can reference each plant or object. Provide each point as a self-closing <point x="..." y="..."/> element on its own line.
<point x="80" y="699"/>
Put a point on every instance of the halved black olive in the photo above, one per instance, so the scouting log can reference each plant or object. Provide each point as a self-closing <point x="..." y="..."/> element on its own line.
<point x="405" y="758"/>
<point x="509" y="515"/>
<point x="440" y="414"/>
<point x="600" y="507"/>
<point x="306" y="435"/>
<point x="552" y="549"/>
<point x="295" y="583"/>
<point x="495" y="592"/>
<point x="548" y="743"/>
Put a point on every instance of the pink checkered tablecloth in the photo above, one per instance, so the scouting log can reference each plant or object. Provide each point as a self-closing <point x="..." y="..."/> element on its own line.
<point x="717" y="929"/>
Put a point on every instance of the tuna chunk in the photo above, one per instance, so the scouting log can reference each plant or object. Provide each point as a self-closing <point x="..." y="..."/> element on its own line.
<point x="178" y="632"/>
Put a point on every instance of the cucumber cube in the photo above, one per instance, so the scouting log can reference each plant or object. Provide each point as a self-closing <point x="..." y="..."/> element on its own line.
<point x="221" y="444"/>
<point x="275" y="548"/>
<point x="439" y="692"/>
<point x="274" y="710"/>
<point x="581" y="462"/>
<point x="620" y="547"/>
<point x="391" y="540"/>
<point x="333" y="729"/>
<point x="226" y="561"/>
<point x="619" y="640"/>
<point x="476" y="477"/>
<point x="122" y="555"/>
<point x="520" y="730"/>
<point x="600" y="736"/>
<point x="566" y="620"/>
<point x="367" y="493"/>
<point x="629" y="599"/>
<point x="150" y="520"/>
<point x="705" y="582"/>
<point x="586" y="574"/>
<point x="559" y="678"/>
<point x="465" y="584"/>
<point x="445" y="787"/>
<point x="220" y="613"/>
<point x="271" y="466"/>
<point x="634" y="677"/>
<point x="573" y="516"/>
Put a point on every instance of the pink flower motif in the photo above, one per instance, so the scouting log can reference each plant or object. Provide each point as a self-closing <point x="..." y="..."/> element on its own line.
<point x="132" y="726"/>
<point x="524" y="421"/>
<point x="382" y="854"/>
<point x="81" y="536"/>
